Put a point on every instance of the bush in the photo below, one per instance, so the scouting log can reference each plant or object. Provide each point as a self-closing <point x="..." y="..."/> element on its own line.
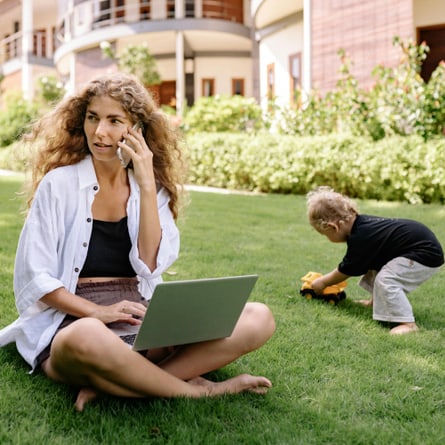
<point x="49" y="90"/>
<point x="399" y="103"/>
<point x="15" y="158"/>
<point x="15" y="119"/>
<point x="223" y="114"/>
<point x="395" y="169"/>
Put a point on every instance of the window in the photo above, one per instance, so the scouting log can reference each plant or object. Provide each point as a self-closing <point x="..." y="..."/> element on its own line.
<point x="39" y="43"/>
<point x="270" y="81"/>
<point x="434" y="37"/>
<point x="208" y="87"/>
<point x="110" y="11"/>
<point x="144" y="9"/>
<point x="190" y="8"/>
<point x="238" y="87"/>
<point x="120" y="10"/>
<point x="295" y="75"/>
<point x="170" y="5"/>
<point x="53" y="39"/>
<point x="104" y="6"/>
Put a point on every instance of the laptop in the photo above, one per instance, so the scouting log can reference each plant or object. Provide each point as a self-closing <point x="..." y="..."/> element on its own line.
<point x="190" y="311"/>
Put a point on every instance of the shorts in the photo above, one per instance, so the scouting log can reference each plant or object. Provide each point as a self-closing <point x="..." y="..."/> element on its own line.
<point x="104" y="293"/>
<point x="390" y="285"/>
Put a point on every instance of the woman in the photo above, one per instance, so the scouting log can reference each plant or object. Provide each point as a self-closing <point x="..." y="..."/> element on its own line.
<point x="94" y="245"/>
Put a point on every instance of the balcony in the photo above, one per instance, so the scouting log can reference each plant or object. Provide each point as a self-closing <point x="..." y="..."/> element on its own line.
<point x="91" y="15"/>
<point x="11" y="49"/>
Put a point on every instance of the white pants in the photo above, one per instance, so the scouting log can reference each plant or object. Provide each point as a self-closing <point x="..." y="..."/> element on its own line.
<point x="389" y="288"/>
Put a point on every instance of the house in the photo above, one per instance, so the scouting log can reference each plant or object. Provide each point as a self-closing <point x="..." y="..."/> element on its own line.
<point x="261" y="48"/>
<point x="298" y="40"/>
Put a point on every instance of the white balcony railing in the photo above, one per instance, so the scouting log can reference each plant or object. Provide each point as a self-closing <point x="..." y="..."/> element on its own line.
<point x="11" y="46"/>
<point x="94" y="14"/>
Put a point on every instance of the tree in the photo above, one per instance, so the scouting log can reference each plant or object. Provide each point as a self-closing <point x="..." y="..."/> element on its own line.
<point x="136" y="60"/>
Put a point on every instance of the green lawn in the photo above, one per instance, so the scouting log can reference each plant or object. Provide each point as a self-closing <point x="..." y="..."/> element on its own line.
<point x="338" y="377"/>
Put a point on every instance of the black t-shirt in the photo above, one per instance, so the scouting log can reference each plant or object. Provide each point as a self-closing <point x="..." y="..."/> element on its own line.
<point x="375" y="240"/>
<point x="108" y="251"/>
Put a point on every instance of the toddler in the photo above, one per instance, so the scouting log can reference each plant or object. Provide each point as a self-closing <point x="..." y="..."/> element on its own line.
<point x="393" y="256"/>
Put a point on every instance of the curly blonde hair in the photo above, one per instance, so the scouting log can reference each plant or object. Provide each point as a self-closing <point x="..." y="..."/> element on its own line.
<point x="58" y="138"/>
<point x="324" y="205"/>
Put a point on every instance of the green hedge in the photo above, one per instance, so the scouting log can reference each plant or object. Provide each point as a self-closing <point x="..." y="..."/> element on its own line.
<point x="394" y="169"/>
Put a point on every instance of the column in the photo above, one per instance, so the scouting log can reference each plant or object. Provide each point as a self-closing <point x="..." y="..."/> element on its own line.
<point x="306" y="81"/>
<point x="27" y="25"/>
<point x="180" y="73"/>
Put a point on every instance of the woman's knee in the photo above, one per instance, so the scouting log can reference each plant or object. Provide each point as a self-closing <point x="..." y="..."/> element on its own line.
<point x="76" y="340"/>
<point x="258" y="323"/>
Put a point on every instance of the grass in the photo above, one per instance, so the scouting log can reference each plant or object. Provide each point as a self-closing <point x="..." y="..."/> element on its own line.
<point x="338" y="377"/>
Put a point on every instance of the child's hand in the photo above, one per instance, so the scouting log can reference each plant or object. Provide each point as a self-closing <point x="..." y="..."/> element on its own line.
<point x="318" y="285"/>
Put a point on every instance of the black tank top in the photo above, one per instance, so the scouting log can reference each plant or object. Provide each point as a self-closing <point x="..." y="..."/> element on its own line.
<point x="108" y="252"/>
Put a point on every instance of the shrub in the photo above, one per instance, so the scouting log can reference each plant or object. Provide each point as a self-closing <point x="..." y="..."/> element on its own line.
<point x="223" y="113"/>
<point x="136" y="60"/>
<point x="395" y="169"/>
<point x="15" y="118"/>
<point x="49" y="90"/>
<point x="15" y="158"/>
<point x="399" y="103"/>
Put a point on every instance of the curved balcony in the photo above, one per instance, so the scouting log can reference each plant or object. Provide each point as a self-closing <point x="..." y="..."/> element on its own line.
<point x="208" y="25"/>
<point x="90" y="14"/>
<point x="268" y="12"/>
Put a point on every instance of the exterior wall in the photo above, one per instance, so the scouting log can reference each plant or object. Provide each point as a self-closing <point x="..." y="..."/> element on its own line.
<point x="12" y="83"/>
<point x="364" y="29"/>
<point x="167" y="69"/>
<point x="276" y="49"/>
<point x="223" y="70"/>
<point x="429" y="12"/>
<point x="89" y="63"/>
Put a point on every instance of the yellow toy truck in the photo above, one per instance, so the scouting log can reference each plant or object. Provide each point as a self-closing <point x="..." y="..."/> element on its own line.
<point x="331" y="294"/>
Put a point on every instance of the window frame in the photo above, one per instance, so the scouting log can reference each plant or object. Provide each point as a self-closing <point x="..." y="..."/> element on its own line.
<point x="210" y="82"/>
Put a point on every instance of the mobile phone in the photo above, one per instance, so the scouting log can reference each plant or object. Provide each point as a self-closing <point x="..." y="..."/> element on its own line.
<point x="123" y="158"/>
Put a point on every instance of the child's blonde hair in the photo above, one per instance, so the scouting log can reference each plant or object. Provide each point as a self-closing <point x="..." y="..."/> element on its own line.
<point x="324" y="205"/>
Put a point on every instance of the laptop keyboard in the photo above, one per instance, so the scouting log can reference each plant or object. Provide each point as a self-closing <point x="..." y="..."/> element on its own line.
<point x="129" y="339"/>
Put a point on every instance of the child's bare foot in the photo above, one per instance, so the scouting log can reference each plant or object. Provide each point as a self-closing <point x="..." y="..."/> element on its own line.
<point x="366" y="303"/>
<point x="235" y="385"/>
<point x="404" y="328"/>
<point x="85" y="395"/>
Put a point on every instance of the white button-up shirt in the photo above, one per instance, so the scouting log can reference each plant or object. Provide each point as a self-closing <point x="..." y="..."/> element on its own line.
<point x="53" y="247"/>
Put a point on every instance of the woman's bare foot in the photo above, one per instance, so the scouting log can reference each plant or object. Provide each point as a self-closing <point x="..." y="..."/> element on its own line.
<point x="404" y="328"/>
<point x="366" y="303"/>
<point x="85" y="395"/>
<point x="235" y="385"/>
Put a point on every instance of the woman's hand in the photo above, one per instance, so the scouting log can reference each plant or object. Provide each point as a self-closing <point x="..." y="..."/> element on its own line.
<point x="137" y="149"/>
<point x="150" y="233"/>
<point x="125" y="311"/>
